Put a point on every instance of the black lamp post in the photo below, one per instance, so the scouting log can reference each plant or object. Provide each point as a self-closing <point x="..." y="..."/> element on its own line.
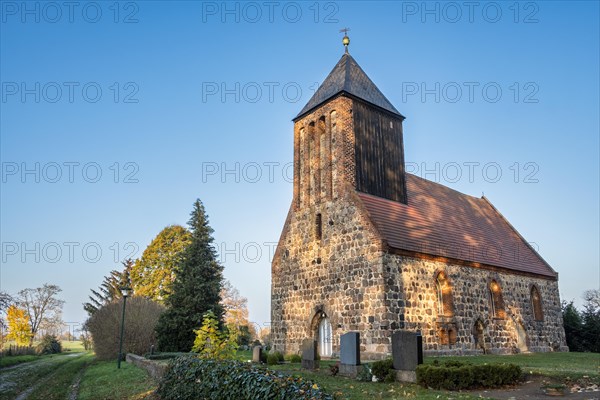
<point x="126" y="291"/>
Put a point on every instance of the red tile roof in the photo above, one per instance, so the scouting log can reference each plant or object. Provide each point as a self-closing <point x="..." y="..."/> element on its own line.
<point x="442" y="222"/>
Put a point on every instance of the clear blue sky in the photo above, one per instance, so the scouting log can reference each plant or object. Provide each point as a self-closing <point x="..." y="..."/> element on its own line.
<point x="191" y="89"/>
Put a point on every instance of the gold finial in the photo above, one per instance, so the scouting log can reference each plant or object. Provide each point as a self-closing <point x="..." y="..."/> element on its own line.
<point x="346" y="39"/>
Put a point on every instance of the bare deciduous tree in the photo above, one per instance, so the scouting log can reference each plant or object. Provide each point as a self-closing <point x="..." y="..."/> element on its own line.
<point x="6" y="300"/>
<point x="234" y="304"/>
<point x="41" y="305"/>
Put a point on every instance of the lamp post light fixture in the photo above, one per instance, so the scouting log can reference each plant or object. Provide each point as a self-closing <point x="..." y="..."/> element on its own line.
<point x="125" y="291"/>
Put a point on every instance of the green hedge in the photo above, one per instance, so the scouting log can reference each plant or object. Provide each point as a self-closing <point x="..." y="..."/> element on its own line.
<point x="163" y="356"/>
<point x="272" y="359"/>
<point x="191" y="378"/>
<point x="293" y="358"/>
<point x="457" y="376"/>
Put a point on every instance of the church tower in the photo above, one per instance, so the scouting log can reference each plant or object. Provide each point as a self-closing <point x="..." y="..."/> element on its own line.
<point x="348" y="109"/>
<point x="327" y="276"/>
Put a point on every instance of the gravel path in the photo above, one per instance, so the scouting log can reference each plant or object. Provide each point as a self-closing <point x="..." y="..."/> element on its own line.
<point x="11" y="377"/>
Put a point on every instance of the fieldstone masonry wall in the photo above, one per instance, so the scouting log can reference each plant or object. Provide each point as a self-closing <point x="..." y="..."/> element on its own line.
<point x="412" y="300"/>
<point x="340" y="274"/>
<point x="331" y="262"/>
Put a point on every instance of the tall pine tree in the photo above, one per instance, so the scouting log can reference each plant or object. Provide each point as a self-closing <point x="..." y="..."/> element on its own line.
<point x="110" y="289"/>
<point x="196" y="289"/>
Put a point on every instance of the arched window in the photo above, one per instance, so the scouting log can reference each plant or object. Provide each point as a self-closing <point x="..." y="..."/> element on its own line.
<point x="536" y="304"/>
<point x="496" y="301"/>
<point x="444" y="295"/>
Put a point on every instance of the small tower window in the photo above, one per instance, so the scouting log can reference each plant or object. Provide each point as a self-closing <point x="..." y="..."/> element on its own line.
<point x="536" y="304"/>
<point x="319" y="227"/>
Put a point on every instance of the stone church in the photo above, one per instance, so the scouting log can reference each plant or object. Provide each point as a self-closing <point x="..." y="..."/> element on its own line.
<point x="367" y="247"/>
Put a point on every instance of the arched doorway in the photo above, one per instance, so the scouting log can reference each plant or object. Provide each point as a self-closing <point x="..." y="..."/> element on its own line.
<point x="521" y="337"/>
<point x="478" y="334"/>
<point x="325" y="337"/>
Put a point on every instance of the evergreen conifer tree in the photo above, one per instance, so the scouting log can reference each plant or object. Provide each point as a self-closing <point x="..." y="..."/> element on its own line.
<point x="196" y="289"/>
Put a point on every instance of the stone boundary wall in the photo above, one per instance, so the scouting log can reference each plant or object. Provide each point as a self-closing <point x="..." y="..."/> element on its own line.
<point x="155" y="369"/>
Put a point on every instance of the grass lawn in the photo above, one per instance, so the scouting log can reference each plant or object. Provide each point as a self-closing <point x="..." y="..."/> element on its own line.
<point x="53" y="377"/>
<point x="557" y="366"/>
<point x="243" y="355"/>
<point x="552" y="365"/>
<point x="68" y="346"/>
<point x="351" y="389"/>
<point x="102" y="381"/>
<point x="59" y="384"/>
<point x="72" y="345"/>
<point x="8" y="361"/>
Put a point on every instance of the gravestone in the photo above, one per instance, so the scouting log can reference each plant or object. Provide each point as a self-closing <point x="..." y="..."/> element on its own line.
<point x="256" y="354"/>
<point x="309" y="354"/>
<point x="407" y="353"/>
<point x="349" y="354"/>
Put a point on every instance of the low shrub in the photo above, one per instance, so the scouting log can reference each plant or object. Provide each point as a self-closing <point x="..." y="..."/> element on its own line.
<point x="191" y="378"/>
<point x="383" y="370"/>
<point x="213" y="343"/>
<point x="364" y="374"/>
<point x="141" y="317"/>
<point x="14" y="350"/>
<point x="293" y="358"/>
<point x="272" y="359"/>
<point x="49" y="345"/>
<point x="454" y="375"/>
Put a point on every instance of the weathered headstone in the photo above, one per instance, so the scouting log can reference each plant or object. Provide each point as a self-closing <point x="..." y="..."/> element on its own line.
<point x="407" y="353"/>
<point x="349" y="354"/>
<point x="309" y="354"/>
<point x="256" y="354"/>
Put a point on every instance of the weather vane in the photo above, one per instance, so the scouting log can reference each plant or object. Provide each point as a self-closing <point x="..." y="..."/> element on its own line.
<point x="346" y="39"/>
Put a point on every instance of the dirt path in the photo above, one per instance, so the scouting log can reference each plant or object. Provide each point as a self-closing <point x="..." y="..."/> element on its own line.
<point x="19" y="381"/>
<point x="531" y="390"/>
<point x="75" y="386"/>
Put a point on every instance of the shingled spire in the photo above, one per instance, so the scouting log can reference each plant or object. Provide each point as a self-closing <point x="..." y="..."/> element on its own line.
<point x="349" y="78"/>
